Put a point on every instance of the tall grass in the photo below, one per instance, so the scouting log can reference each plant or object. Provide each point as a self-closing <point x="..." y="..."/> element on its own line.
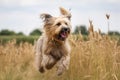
<point x="95" y="59"/>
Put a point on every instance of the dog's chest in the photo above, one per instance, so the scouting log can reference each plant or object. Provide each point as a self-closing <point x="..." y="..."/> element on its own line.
<point x="56" y="51"/>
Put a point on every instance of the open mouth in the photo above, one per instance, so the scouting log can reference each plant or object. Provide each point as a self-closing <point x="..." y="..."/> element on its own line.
<point x="63" y="34"/>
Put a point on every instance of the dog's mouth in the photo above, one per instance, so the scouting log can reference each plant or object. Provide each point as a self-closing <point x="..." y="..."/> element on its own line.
<point x="64" y="34"/>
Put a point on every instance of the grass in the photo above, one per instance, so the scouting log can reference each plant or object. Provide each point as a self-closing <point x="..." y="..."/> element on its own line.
<point x="96" y="59"/>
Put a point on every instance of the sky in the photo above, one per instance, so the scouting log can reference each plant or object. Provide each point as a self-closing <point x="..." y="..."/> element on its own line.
<point x="24" y="15"/>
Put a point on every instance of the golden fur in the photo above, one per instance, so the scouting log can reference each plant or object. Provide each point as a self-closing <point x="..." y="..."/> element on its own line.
<point x="53" y="46"/>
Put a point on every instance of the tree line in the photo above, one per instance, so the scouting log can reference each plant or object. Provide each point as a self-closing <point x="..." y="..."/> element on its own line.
<point x="6" y="32"/>
<point x="83" y="30"/>
<point x="78" y="29"/>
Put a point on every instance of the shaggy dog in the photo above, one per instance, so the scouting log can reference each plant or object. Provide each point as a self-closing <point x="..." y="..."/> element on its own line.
<point x="53" y="46"/>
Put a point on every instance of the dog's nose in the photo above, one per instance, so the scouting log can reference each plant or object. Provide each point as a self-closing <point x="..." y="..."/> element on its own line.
<point x="65" y="29"/>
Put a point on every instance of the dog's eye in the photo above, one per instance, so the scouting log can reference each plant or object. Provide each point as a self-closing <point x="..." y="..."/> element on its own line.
<point x="66" y="23"/>
<point x="58" y="24"/>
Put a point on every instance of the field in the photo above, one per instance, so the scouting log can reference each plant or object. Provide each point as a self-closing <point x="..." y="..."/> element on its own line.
<point x="98" y="58"/>
<point x="19" y="39"/>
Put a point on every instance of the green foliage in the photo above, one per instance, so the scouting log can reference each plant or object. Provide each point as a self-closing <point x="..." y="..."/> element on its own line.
<point x="19" y="39"/>
<point x="81" y="29"/>
<point x="114" y="33"/>
<point x="20" y="33"/>
<point x="7" y="35"/>
<point x="36" y="32"/>
<point x="7" y="32"/>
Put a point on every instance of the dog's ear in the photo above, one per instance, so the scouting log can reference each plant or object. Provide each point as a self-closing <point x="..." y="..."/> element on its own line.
<point x="45" y="17"/>
<point x="65" y="13"/>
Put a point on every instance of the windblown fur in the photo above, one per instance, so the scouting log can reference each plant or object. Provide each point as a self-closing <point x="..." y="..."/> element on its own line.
<point x="52" y="48"/>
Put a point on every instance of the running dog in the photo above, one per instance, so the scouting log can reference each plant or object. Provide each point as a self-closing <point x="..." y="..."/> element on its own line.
<point x="52" y="48"/>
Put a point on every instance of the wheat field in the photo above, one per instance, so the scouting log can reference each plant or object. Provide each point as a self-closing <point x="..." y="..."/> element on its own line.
<point x="98" y="58"/>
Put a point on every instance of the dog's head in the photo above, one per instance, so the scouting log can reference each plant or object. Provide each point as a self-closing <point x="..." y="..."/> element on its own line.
<point x="57" y="28"/>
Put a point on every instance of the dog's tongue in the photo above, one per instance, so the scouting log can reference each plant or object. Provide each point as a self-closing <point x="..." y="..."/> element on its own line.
<point x="63" y="35"/>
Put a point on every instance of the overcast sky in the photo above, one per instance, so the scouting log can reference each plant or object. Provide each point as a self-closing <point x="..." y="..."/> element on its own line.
<point x="24" y="15"/>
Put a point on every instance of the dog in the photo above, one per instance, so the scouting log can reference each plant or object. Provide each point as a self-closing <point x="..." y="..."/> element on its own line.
<point x="52" y="48"/>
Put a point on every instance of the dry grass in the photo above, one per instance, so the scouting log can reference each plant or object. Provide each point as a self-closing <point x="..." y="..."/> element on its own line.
<point x="95" y="59"/>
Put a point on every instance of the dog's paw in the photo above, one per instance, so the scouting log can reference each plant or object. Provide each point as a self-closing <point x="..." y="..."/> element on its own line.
<point x="49" y="66"/>
<point x="59" y="71"/>
<point x="58" y="74"/>
<point x="41" y="70"/>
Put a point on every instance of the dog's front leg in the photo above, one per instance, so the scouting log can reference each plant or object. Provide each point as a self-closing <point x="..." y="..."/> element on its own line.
<point x="63" y="64"/>
<point x="48" y="62"/>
